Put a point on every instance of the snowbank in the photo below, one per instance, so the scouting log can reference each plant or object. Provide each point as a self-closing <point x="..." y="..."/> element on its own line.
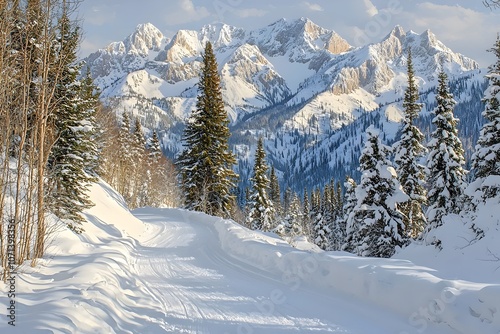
<point x="85" y="283"/>
<point x="415" y="292"/>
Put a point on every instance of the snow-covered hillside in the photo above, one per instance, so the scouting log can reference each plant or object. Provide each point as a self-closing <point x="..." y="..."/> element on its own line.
<point x="175" y="271"/>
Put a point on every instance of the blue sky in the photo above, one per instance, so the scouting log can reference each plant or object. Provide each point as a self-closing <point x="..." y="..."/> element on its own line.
<point x="466" y="26"/>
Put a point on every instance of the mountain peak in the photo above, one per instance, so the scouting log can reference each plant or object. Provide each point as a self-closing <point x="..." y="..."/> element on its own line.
<point x="221" y="34"/>
<point x="146" y="37"/>
<point x="397" y="32"/>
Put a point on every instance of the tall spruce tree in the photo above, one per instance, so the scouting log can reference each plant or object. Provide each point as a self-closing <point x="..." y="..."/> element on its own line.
<point x="408" y="151"/>
<point x="73" y="153"/>
<point x="275" y="194"/>
<point x="446" y="159"/>
<point x="486" y="158"/>
<point x="261" y="211"/>
<point x="349" y="204"/>
<point x="141" y="173"/>
<point x="376" y="220"/>
<point x="206" y="173"/>
<point x="306" y="216"/>
<point x="323" y="224"/>
<point x="155" y="147"/>
<point x="125" y="161"/>
<point x="92" y="138"/>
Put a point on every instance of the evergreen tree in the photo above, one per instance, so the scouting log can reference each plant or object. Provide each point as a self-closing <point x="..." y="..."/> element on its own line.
<point x="446" y="159"/>
<point x="207" y="177"/>
<point x="155" y="147"/>
<point x="73" y="153"/>
<point x="306" y="216"/>
<point x="408" y="151"/>
<point x="486" y="158"/>
<point x="141" y="169"/>
<point x="92" y="142"/>
<point x="350" y="201"/>
<point x="261" y="207"/>
<point x="275" y="194"/>
<point x="287" y="199"/>
<point x="125" y="162"/>
<point x="138" y="138"/>
<point x="322" y="232"/>
<point x="294" y="216"/>
<point x="376" y="220"/>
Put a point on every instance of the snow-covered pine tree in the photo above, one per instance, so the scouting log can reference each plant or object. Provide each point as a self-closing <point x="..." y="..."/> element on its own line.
<point x="350" y="201"/>
<point x="73" y="151"/>
<point x="295" y="216"/>
<point x="322" y="224"/>
<point x="408" y="151"/>
<point x="261" y="211"/>
<point x="206" y="173"/>
<point x="287" y="199"/>
<point x="141" y="173"/>
<point x="486" y="158"/>
<point x="93" y="141"/>
<point x="306" y="216"/>
<point x="445" y="160"/>
<point x="275" y="194"/>
<point x="125" y="162"/>
<point x="155" y="147"/>
<point x="380" y="223"/>
<point x="138" y="137"/>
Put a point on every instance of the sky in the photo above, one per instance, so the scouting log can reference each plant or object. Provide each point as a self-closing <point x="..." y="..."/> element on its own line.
<point x="465" y="26"/>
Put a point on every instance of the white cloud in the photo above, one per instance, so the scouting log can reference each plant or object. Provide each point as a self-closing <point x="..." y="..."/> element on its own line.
<point x="370" y="8"/>
<point x="184" y="11"/>
<point x="313" y="6"/>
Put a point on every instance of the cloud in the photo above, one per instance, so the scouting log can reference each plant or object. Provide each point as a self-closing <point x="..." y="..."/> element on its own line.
<point x="370" y="8"/>
<point x="184" y="11"/>
<point x="314" y="7"/>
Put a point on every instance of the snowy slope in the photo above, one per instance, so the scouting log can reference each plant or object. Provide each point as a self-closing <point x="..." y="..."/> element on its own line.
<point x="175" y="271"/>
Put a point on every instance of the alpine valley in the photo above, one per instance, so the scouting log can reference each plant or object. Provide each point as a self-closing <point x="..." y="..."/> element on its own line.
<point x="303" y="88"/>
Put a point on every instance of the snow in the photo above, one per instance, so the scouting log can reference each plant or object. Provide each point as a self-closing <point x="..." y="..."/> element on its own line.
<point x="176" y="271"/>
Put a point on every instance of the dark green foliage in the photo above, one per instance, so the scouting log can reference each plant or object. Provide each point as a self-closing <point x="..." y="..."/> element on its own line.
<point x="206" y="173"/>
<point x="375" y="226"/>
<point x="446" y="159"/>
<point x="408" y="151"/>
<point x="486" y="159"/>
<point x="72" y="161"/>
<point x="261" y="211"/>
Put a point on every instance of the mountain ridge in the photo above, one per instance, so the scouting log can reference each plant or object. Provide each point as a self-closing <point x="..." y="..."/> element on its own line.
<point x="278" y="81"/>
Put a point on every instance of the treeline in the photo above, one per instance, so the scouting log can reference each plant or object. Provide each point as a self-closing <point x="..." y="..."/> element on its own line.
<point x="55" y="137"/>
<point x="48" y="150"/>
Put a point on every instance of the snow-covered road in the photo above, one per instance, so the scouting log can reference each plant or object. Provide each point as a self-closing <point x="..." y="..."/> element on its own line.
<point x="174" y="271"/>
<point x="203" y="289"/>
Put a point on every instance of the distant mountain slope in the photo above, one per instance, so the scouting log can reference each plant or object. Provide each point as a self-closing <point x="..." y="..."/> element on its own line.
<point x="303" y="87"/>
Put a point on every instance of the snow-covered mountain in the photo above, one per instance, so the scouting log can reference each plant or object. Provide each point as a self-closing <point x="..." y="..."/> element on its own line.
<point x="296" y="83"/>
